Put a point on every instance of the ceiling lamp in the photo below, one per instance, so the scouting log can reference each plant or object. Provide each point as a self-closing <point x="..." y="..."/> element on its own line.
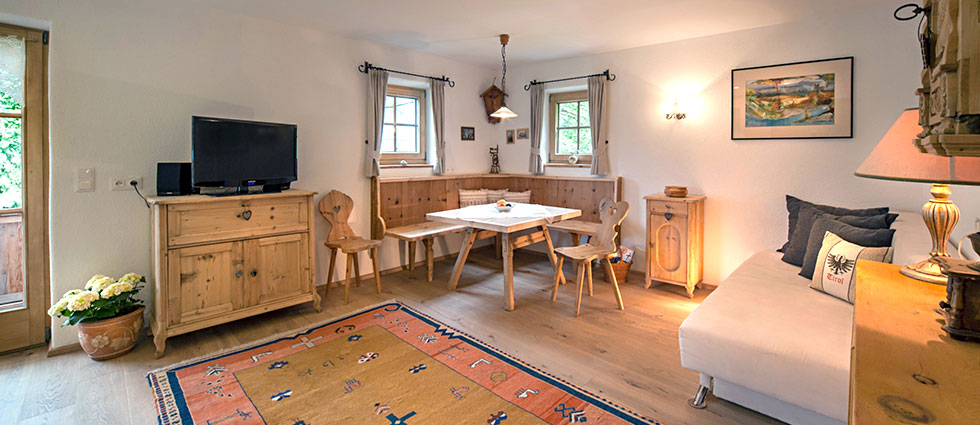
<point x="503" y="112"/>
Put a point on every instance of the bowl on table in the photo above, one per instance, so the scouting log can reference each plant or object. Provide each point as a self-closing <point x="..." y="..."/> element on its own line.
<point x="503" y="206"/>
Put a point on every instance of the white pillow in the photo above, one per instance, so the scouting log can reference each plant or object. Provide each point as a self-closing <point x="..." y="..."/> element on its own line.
<point x="472" y="197"/>
<point x="836" y="270"/>
<point x="522" y="197"/>
<point x="494" y="195"/>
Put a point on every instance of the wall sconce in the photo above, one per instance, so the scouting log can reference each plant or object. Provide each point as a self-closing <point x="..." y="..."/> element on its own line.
<point x="674" y="112"/>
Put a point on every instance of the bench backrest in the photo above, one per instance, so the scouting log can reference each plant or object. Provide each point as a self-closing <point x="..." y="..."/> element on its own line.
<point x="400" y="201"/>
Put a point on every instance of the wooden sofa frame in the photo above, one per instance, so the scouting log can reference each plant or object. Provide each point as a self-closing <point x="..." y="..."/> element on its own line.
<point x="399" y="204"/>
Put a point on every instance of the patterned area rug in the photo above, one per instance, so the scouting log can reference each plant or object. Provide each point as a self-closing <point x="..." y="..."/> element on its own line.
<point x="386" y="365"/>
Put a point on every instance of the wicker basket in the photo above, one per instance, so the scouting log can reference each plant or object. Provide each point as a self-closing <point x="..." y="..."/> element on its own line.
<point x="621" y="269"/>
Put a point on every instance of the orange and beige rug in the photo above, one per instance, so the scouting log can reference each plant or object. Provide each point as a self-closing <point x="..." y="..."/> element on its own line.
<point x="386" y="365"/>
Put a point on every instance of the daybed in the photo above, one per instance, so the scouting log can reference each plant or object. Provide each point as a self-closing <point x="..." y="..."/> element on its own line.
<point x="763" y="339"/>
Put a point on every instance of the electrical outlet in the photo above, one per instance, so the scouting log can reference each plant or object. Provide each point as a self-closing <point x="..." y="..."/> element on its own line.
<point x="123" y="183"/>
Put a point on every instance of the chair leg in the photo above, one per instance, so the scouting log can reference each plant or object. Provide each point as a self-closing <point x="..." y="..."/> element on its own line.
<point x="429" y="260"/>
<point x="374" y="262"/>
<point x="498" y="246"/>
<point x="554" y="291"/>
<point x="350" y="266"/>
<point x="588" y="272"/>
<point x="357" y="270"/>
<point x="333" y="266"/>
<point x="581" y="284"/>
<point x="615" y="284"/>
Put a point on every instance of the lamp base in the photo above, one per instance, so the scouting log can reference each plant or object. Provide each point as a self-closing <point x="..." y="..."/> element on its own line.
<point x="926" y="271"/>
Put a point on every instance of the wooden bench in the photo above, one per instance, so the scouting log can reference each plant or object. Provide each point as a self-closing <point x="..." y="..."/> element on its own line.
<point x="399" y="204"/>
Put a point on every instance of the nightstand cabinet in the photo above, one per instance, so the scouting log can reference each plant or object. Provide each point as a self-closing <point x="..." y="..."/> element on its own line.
<point x="675" y="241"/>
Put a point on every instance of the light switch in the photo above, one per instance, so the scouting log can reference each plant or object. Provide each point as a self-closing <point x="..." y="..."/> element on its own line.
<point x="85" y="180"/>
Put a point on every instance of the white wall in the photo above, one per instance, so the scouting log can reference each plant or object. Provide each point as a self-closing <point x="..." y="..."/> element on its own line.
<point x="745" y="181"/>
<point x="126" y="78"/>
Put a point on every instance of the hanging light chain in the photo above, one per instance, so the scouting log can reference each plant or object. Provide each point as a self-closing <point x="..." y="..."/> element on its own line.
<point x="503" y="78"/>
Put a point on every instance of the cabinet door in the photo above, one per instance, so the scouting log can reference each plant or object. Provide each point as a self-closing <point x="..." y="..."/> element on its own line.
<point x="204" y="281"/>
<point x="276" y="267"/>
<point x="668" y="247"/>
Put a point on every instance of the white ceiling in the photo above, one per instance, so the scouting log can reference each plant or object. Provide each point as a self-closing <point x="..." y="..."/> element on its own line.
<point x="540" y="29"/>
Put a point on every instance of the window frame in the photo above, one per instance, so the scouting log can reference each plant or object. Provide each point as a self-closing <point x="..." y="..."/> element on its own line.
<point x="421" y="119"/>
<point x="553" y="100"/>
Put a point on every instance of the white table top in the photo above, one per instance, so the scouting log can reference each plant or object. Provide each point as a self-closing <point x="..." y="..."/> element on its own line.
<point x="522" y="216"/>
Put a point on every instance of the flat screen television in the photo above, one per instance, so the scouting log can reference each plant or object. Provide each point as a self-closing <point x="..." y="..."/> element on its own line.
<point x="227" y="153"/>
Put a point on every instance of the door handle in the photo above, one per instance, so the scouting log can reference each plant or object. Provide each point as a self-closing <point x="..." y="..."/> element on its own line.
<point x="253" y="273"/>
<point x="238" y="273"/>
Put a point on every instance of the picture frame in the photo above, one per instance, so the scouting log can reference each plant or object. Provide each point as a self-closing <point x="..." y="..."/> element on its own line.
<point x="467" y="133"/>
<point x="510" y="137"/>
<point x="522" y="133"/>
<point x="797" y="100"/>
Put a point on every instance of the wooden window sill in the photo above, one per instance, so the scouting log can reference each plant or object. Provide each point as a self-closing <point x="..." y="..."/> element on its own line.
<point x="567" y="165"/>
<point x="406" y="166"/>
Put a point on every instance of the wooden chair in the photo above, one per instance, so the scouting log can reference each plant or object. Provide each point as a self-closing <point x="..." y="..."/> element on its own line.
<point x="601" y="247"/>
<point x="336" y="207"/>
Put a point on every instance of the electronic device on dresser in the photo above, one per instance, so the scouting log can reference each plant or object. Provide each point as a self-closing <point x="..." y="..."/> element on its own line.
<point x="174" y="178"/>
<point x="235" y="156"/>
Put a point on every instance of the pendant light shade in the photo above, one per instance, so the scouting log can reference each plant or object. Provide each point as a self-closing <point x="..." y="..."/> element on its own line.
<point x="503" y="112"/>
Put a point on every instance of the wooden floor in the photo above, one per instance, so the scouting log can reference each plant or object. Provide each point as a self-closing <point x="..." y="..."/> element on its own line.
<point x="628" y="356"/>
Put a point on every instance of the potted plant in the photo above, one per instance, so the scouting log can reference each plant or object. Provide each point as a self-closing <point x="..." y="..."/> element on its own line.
<point x="107" y="312"/>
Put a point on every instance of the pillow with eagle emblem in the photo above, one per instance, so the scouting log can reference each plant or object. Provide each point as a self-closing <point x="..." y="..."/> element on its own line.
<point x="836" y="269"/>
<point x="872" y="238"/>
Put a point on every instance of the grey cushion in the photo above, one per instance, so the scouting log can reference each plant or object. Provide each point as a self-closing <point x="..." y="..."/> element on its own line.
<point x="793" y="205"/>
<point x="872" y="238"/>
<point x="793" y="252"/>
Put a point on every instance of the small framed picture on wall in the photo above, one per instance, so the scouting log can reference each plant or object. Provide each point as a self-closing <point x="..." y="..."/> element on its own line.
<point x="800" y="100"/>
<point x="521" y="133"/>
<point x="510" y="137"/>
<point x="467" y="133"/>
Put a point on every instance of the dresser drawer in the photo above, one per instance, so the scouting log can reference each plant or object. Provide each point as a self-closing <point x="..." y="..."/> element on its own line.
<point x="220" y="220"/>
<point x="663" y="207"/>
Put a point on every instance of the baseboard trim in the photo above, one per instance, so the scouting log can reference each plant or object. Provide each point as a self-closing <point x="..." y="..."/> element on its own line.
<point x="64" y="349"/>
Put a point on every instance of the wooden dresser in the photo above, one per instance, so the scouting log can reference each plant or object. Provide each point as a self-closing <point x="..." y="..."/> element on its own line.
<point x="219" y="259"/>
<point x="675" y="240"/>
<point x="904" y="368"/>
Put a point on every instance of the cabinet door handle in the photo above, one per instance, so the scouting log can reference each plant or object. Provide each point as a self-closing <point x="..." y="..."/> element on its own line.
<point x="238" y="273"/>
<point x="253" y="273"/>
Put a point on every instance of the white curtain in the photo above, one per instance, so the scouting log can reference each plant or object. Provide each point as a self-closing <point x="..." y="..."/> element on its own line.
<point x="438" y="89"/>
<point x="376" y="91"/>
<point x="536" y="165"/>
<point x="598" y="117"/>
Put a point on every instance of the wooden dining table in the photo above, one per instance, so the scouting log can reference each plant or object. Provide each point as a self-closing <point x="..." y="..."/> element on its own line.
<point x="485" y="221"/>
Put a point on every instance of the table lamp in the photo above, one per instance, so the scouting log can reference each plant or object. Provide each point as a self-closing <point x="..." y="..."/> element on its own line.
<point x="896" y="158"/>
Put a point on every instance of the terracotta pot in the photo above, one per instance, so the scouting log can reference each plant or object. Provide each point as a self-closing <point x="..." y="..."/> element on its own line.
<point x="111" y="338"/>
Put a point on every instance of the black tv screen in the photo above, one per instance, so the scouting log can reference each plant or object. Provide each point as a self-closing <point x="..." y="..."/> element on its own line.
<point x="236" y="153"/>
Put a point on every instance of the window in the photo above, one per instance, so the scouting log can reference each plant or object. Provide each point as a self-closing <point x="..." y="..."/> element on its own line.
<point x="570" y="133"/>
<point x="403" y="133"/>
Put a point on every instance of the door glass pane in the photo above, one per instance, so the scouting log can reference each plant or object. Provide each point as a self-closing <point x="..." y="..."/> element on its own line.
<point x="406" y="138"/>
<point x="12" y="62"/>
<point x="13" y="59"/>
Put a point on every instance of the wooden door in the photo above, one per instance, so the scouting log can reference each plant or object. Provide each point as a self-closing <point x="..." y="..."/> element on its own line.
<point x="669" y="247"/>
<point x="205" y="281"/>
<point x="24" y="283"/>
<point x="277" y="267"/>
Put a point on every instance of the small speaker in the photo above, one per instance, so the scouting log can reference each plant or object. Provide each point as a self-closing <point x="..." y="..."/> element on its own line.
<point x="174" y="178"/>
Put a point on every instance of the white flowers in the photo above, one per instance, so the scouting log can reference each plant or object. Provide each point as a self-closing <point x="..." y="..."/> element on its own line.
<point x="81" y="305"/>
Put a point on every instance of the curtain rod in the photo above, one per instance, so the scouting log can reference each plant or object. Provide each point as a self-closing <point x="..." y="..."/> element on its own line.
<point x="368" y="66"/>
<point x="609" y="76"/>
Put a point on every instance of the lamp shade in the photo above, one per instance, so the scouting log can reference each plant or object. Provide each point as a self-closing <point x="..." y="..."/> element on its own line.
<point x="897" y="158"/>
<point x="504" y="112"/>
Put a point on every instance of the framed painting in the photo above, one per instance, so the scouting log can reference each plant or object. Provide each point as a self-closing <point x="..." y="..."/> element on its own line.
<point x="801" y="100"/>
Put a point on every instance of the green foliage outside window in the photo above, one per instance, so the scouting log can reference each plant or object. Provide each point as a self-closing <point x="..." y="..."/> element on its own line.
<point x="10" y="155"/>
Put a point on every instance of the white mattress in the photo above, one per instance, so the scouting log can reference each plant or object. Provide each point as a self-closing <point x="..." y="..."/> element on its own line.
<point x="766" y="330"/>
